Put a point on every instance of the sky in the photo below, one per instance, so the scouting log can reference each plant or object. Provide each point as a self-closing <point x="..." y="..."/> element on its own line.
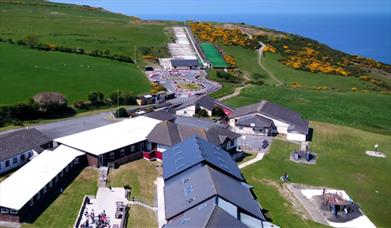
<point x="164" y="7"/>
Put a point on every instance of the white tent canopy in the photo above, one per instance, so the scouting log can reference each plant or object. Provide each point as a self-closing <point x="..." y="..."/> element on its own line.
<point x="25" y="183"/>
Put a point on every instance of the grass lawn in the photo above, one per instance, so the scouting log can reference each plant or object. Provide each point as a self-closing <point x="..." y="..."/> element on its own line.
<point x="227" y="88"/>
<point x="188" y="86"/>
<point x="77" y="26"/>
<point x="342" y="164"/>
<point x="26" y="72"/>
<point x="140" y="217"/>
<point x="369" y="111"/>
<point x="63" y="211"/>
<point x="140" y="175"/>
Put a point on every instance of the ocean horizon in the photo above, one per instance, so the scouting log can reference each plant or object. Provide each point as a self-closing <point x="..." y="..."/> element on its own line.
<point x="364" y="34"/>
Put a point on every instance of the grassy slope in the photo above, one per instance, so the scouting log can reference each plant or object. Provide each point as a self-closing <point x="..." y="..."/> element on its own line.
<point x="26" y="72"/>
<point x="227" y="88"/>
<point x="311" y="80"/>
<point x="74" y="26"/>
<point x="63" y="211"/>
<point x="140" y="175"/>
<point x="342" y="164"/>
<point x="360" y="110"/>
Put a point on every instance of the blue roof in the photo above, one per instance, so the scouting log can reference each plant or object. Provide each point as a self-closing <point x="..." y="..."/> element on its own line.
<point x="200" y="183"/>
<point x="194" y="151"/>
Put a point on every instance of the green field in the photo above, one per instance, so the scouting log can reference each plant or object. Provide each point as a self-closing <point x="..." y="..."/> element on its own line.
<point x="26" y="72"/>
<point x="76" y="26"/>
<point x="63" y="211"/>
<point x="227" y="87"/>
<point x="342" y="164"/>
<point x="213" y="55"/>
<point x="369" y="111"/>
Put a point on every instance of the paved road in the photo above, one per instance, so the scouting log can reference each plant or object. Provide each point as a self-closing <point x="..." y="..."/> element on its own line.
<point x="71" y="126"/>
<point x="272" y="76"/>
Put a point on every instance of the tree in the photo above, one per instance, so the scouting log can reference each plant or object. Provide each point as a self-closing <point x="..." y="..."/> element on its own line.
<point x="202" y="112"/>
<point x="52" y="105"/>
<point x="218" y="111"/>
<point x="31" y="40"/>
<point x="96" y="98"/>
<point x="121" y="113"/>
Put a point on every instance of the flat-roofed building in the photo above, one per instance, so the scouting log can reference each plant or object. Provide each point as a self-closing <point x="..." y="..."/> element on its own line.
<point x="28" y="190"/>
<point x="118" y="143"/>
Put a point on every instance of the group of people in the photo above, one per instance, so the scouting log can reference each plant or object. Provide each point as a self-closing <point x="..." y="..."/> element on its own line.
<point x="99" y="221"/>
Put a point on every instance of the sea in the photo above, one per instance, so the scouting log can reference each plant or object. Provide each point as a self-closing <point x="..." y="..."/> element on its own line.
<point x="364" y="34"/>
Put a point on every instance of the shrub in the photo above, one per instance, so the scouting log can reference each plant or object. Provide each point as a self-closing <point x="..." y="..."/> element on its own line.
<point x="201" y="112"/>
<point x="121" y="113"/>
<point x="218" y="111"/>
<point x="96" y="98"/>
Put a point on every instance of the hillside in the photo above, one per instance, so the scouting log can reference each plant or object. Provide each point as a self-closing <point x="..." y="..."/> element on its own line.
<point x="295" y="52"/>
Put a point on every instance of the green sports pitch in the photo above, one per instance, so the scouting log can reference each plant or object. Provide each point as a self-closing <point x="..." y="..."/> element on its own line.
<point x="213" y="55"/>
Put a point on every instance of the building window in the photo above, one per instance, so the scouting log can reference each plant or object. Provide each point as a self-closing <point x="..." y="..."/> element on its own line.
<point x="14" y="160"/>
<point x="56" y="179"/>
<point x="7" y="163"/>
<point x="22" y="157"/>
<point x="112" y="155"/>
<point x="240" y="128"/>
<point x="38" y="195"/>
<point x="132" y="148"/>
<point x="14" y="211"/>
<point x="61" y="173"/>
<point x="4" y="210"/>
<point x="31" y="202"/>
<point x="142" y="146"/>
<point x="30" y="154"/>
<point x="50" y="184"/>
<point x="71" y="164"/>
<point x="44" y="189"/>
<point x="66" y="169"/>
<point x="76" y="161"/>
<point x="122" y="152"/>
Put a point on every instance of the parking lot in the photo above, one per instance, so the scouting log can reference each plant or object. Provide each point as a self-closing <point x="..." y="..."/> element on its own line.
<point x="173" y="79"/>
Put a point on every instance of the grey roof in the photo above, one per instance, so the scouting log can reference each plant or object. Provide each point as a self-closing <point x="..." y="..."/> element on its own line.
<point x="169" y="133"/>
<point x="194" y="122"/>
<point x="204" y="101"/>
<point x="257" y="120"/>
<point x="194" y="151"/>
<point x="20" y="141"/>
<point x="200" y="183"/>
<point x="185" y="62"/>
<point x="206" y="214"/>
<point x="161" y="115"/>
<point x="277" y="112"/>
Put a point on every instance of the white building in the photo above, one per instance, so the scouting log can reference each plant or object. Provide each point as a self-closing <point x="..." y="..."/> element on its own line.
<point x="266" y="118"/>
<point x="17" y="147"/>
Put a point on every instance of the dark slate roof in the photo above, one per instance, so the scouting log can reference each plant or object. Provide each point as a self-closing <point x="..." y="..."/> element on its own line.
<point x="169" y="133"/>
<point x="161" y="115"/>
<point x="206" y="214"/>
<point x="257" y="120"/>
<point x="194" y="151"/>
<point x="20" y="141"/>
<point x="277" y="112"/>
<point x="204" y="101"/>
<point x="194" y="122"/>
<point x="200" y="183"/>
<point x="185" y="62"/>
